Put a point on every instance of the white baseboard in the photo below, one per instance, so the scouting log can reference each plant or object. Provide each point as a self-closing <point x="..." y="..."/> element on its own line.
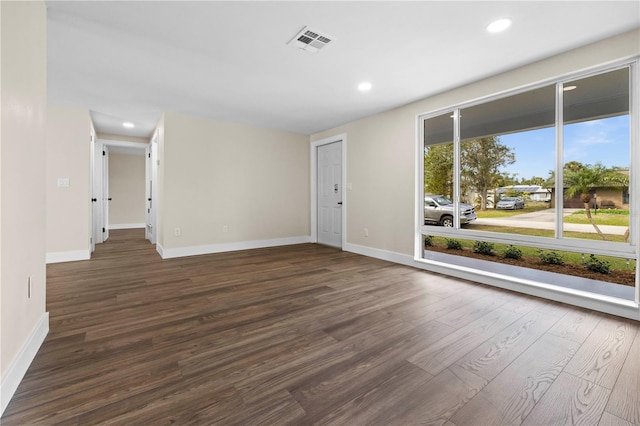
<point x="619" y="307"/>
<point x="126" y="226"/>
<point x="18" y="368"/>
<point x="391" y="256"/>
<point x="168" y="253"/>
<point x="68" y="256"/>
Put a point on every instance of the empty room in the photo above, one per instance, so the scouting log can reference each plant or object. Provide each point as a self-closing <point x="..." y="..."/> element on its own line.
<point x="345" y="213"/>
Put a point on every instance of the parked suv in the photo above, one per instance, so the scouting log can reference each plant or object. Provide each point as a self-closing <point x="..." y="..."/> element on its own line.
<point x="438" y="210"/>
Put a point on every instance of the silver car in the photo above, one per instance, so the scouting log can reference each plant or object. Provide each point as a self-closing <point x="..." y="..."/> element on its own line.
<point x="438" y="210"/>
<point x="511" y="203"/>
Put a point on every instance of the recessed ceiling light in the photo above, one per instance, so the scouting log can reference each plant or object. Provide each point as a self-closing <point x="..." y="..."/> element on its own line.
<point x="567" y="88"/>
<point x="499" y="25"/>
<point x="128" y="125"/>
<point x="364" y="86"/>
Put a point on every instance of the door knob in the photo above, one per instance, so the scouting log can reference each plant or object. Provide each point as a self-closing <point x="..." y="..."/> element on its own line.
<point x="339" y="203"/>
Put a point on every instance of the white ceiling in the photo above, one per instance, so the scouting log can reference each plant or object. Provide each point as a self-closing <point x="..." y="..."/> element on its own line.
<point x="130" y="61"/>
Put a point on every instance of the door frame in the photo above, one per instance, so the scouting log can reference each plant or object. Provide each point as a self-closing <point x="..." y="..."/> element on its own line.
<point x="92" y="207"/>
<point x="99" y="185"/>
<point x="314" y="186"/>
<point x="151" y="188"/>
<point x="105" y="192"/>
<point x="97" y="198"/>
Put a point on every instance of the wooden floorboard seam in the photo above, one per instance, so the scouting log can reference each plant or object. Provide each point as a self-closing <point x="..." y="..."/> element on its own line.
<point x="308" y="334"/>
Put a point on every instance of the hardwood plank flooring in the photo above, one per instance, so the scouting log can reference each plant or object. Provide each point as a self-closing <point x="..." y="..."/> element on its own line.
<point x="511" y="396"/>
<point x="625" y="399"/>
<point x="602" y="355"/>
<point x="308" y="334"/>
<point x="493" y="356"/>
<point x="570" y="401"/>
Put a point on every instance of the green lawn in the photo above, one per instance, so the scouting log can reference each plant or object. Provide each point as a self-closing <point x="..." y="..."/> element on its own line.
<point x="544" y="232"/>
<point x="529" y="207"/>
<point x="611" y="217"/>
<point x="602" y="217"/>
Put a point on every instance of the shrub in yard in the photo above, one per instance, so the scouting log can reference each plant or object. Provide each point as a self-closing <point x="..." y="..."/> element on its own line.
<point x="483" y="247"/>
<point x="551" y="257"/>
<point x="597" y="265"/>
<point x="428" y="240"/>
<point x="512" y="252"/>
<point x="453" y="244"/>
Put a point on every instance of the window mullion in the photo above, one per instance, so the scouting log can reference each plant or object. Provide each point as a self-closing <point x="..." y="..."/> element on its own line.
<point x="634" y="137"/>
<point x="456" y="168"/>
<point x="559" y="182"/>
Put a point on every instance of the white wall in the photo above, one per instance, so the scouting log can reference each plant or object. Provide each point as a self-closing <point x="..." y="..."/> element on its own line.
<point x="381" y="157"/>
<point x="127" y="190"/>
<point x="213" y="174"/>
<point x="24" y="322"/>
<point x="68" y="208"/>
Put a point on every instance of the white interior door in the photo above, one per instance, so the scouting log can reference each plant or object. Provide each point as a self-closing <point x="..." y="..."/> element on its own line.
<point x="148" y="188"/>
<point x="151" y="191"/>
<point x="105" y="193"/>
<point x="100" y="195"/>
<point x="329" y="193"/>
<point x="94" y="216"/>
<point x="97" y="197"/>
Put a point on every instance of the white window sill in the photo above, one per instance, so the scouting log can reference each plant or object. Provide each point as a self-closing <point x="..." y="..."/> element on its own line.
<point x="600" y="290"/>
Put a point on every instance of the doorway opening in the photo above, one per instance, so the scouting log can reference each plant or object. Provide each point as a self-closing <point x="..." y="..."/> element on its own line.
<point x="118" y="191"/>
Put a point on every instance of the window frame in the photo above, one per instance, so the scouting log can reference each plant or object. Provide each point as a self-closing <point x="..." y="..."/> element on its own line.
<point x="627" y="250"/>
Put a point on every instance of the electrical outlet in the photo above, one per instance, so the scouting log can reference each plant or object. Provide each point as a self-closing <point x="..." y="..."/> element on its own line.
<point x="225" y="228"/>
<point x="366" y="232"/>
<point x="177" y="232"/>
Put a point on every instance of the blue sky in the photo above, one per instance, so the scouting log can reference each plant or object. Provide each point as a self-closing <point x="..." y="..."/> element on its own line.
<point x="605" y="140"/>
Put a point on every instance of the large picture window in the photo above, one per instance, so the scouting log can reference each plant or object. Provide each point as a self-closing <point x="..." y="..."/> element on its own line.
<point x="544" y="172"/>
<point x="596" y="148"/>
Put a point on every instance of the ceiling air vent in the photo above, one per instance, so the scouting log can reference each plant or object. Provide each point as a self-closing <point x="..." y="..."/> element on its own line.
<point x="310" y="40"/>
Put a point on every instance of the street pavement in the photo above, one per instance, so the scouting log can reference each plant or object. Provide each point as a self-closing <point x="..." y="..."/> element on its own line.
<point x="545" y="219"/>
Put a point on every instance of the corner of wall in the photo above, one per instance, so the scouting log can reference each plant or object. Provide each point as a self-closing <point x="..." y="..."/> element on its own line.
<point x="18" y="368"/>
<point x="23" y="315"/>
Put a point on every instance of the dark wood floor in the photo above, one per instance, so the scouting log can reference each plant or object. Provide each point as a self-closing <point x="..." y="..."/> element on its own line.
<point x="312" y="335"/>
